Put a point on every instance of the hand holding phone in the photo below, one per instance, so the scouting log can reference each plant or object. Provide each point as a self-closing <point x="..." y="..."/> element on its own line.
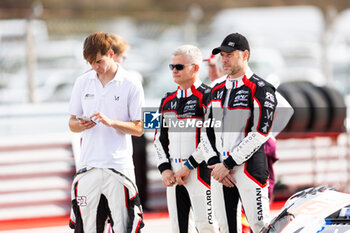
<point x="83" y="118"/>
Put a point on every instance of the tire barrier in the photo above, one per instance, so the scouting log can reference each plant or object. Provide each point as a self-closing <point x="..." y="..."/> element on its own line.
<point x="337" y="108"/>
<point x="300" y="119"/>
<point x="318" y="110"/>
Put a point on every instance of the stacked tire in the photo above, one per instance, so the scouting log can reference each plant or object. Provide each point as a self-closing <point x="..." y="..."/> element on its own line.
<point x="318" y="110"/>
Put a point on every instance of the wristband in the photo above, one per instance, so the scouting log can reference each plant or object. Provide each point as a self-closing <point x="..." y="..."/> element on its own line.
<point x="229" y="163"/>
<point x="193" y="162"/>
<point x="187" y="164"/>
<point x="226" y="165"/>
<point x="214" y="160"/>
<point x="164" y="166"/>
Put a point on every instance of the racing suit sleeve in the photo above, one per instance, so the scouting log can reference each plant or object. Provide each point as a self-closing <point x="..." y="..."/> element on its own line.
<point x="284" y="111"/>
<point x="161" y="142"/>
<point x="264" y="106"/>
<point x="206" y="150"/>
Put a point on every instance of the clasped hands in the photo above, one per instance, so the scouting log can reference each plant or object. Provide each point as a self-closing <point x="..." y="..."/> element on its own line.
<point x="222" y="174"/>
<point x="219" y="173"/>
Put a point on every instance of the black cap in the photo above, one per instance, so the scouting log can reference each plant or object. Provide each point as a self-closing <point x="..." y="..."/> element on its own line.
<point x="232" y="42"/>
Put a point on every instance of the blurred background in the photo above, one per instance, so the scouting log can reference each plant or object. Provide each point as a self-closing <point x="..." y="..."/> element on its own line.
<point x="305" y="43"/>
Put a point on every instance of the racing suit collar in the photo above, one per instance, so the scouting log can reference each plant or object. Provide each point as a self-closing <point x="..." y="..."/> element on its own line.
<point x="188" y="92"/>
<point x="237" y="82"/>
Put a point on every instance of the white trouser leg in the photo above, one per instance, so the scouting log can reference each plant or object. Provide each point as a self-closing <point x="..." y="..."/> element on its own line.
<point x="219" y="208"/>
<point x="88" y="197"/>
<point x="201" y="201"/>
<point x="254" y="198"/>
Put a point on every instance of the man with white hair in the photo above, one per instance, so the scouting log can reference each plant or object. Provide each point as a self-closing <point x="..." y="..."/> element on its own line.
<point x="182" y="113"/>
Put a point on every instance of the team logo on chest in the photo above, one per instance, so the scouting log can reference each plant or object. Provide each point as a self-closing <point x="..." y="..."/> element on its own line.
<point x="219" y="94"/>
<point x="191" y="102"/>
<point x="190" y="106"/>
<point x="173" y="105"/>
<point x="240" y="99"/>
<point x="89" y="96"/>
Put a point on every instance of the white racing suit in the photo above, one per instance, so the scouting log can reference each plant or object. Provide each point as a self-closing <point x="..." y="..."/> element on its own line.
<point x="93" y="191"/>
<point x="189" y="205"/>
<point x="246" y="107"/>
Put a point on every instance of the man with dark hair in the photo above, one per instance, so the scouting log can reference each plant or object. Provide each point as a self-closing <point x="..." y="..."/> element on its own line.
<point x="245" y="103"/>
<point x="106" y="107"/>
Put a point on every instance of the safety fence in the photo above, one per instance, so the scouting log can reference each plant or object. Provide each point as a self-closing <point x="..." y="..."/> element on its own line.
<point x="313" y="161"/>
<point x="303" y="162"/>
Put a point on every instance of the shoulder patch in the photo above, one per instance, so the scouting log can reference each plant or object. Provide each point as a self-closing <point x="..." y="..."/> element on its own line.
<point x="207" y="91"/>
<point x="168" y="94"/>
<point x="261" y="83"/>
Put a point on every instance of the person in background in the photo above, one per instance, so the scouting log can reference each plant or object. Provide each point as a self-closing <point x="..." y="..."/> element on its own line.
<point x="120" y="48"/>
<point x="106" y="107"/>
<point x="215" y="70"/>
<point x="174" y="145"/>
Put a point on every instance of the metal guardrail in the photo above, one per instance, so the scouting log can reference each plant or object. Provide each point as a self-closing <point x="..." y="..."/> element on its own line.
<point x="314" y="161"/>
<point x="35" y="177"/>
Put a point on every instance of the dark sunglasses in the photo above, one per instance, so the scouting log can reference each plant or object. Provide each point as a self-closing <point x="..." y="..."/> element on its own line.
<point x="179" y="66"/>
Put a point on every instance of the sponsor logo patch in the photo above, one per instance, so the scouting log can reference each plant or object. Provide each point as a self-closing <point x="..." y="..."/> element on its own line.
<point x="88" y="96"/>
<point x="261" y="83"/>
<point x="232" y="44"/>
<point x="259" y="204"/>
<point x="270" y="97"/>
<point x="267" y="104"/>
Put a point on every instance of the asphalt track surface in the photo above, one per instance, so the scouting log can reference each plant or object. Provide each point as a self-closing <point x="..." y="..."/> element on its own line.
<point x="152" y="225"/>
